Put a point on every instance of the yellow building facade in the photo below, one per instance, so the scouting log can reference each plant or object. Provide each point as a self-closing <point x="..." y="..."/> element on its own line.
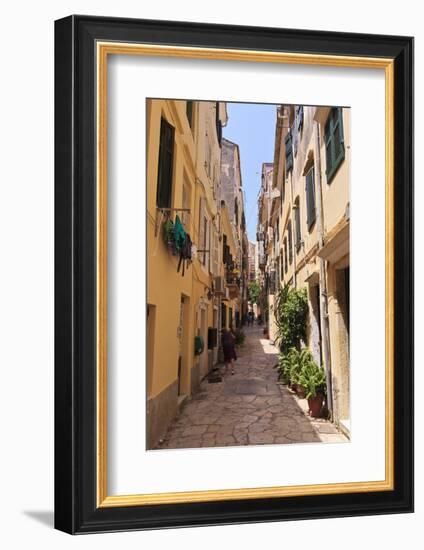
<point x="308" y="245"/>
<point x="184" y="294"/>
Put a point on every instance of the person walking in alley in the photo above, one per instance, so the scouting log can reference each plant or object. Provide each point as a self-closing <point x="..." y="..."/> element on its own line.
<point x="229" y="348"/>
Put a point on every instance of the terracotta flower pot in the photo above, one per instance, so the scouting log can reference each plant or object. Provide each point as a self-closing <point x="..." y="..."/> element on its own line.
<point x="315" y="405"/>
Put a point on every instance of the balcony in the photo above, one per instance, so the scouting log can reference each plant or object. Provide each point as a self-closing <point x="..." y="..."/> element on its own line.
<point x="232" y="281"/>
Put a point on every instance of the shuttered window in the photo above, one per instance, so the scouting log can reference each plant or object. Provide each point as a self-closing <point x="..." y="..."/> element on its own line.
<point x="334" y="142"/>
<point x="289" y="152"/>
<point x="165" y="165"/>
<point x="299" y="117"/>
<point x="297" y="223"/>
<point x="290" y="239"/>
<point x="310" y="198"/>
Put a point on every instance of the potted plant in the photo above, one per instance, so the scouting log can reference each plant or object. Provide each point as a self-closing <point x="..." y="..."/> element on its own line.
<point x="290" y="367"/>
<point x="312" y="378"/>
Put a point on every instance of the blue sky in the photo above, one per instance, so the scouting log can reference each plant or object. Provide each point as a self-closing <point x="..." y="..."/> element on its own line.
<point x="252" y="127"/>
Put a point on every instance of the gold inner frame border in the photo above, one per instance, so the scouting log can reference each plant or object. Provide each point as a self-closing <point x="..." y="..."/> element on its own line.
<point x="103" y="50"/>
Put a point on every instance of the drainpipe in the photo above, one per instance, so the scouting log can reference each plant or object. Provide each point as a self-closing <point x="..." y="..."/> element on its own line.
<point x="322" y="274"/>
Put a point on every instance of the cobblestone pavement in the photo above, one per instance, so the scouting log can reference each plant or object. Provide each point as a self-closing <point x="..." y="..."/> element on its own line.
<point x="247" y="408"/>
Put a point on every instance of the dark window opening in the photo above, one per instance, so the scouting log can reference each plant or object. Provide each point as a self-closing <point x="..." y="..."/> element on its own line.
<point x="189" y="112"/>
<point x="310" y="199"/>
<point x="165" y="165"/>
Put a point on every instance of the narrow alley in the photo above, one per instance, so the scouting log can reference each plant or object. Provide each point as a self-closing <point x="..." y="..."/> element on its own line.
<point x="247" y="408"/>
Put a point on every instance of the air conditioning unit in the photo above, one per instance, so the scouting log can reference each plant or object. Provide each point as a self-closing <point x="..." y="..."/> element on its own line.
<point x="219" y="286"/>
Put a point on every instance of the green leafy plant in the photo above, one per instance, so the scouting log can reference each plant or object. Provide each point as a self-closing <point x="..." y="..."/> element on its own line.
<point x="299" y="367"/>
<point x="312" y="377"/>
<point x="239" y="337"/>
<point x="291" y="312"/>
<point x="254" y="291"/>
<point x="289" y="365"/>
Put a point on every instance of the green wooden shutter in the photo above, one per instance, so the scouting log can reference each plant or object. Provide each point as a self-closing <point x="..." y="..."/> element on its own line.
<point x="165" y="165"/>
<point x="329" y="144"/>
<point x="338" y="138"/>
<point x="334" y="142"/>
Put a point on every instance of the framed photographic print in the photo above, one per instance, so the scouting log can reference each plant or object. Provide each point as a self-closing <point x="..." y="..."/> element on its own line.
<point x="234" y="274"/>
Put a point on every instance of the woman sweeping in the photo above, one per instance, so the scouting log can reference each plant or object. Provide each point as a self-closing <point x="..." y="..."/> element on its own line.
<point x="229" y="349"/>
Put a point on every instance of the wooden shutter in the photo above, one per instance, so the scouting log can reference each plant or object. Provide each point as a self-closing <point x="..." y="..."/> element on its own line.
<point x="310" y="198"/>
<point x="338" y="140"/>
<point x="334" y="142"/>
<point x="289" y="151"/>
<point x="165" y="165"/>
<point x="299" y="117"/>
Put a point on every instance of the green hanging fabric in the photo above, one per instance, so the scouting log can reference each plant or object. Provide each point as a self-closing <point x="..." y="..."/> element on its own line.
<point x="179" y="234"/>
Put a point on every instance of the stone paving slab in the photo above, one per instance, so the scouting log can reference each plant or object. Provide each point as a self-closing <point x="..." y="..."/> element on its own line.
<point x="248" y="408"/>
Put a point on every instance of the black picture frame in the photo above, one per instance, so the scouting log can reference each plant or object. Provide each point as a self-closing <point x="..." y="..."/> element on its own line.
<point x="76" y="510"/>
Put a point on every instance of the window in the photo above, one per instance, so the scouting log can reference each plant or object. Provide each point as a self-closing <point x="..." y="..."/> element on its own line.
<point x="289" y="152"/>
<point x="189" y="112"/>
<point x="310" y="199"/>
<point x="224" y="250"/>
<point x="298" y="235"/>
<point x="165" y="165"/>
<point x="286" y="263"/>
<point x="334" y="142"/>
<point x="299" y="117"/>
<point x="290" y="238"/>
<point x="223" y="315"/>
